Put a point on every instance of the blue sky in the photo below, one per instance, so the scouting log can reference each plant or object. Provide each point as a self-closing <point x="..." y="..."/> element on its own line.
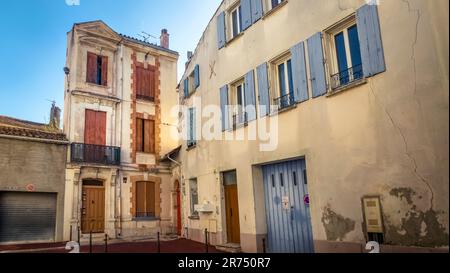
<point x="33" y="42"/>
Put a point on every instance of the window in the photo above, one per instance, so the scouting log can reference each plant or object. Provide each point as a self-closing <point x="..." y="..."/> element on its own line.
<point x="236" y="21"/>
<point x="145" y="83"/>
<point x="192" y="82"/>
<point x="238" y="100"/>
<point x="191" y="139"/>
<point x="145" y="199"/>
<point x="345" y="49"/>
<point x="275" y="3"/>
<point x="193" y="191"/>
<point x="145" y="136"/>
<point x="284" y="96"/>
<point x="97" y="69"/>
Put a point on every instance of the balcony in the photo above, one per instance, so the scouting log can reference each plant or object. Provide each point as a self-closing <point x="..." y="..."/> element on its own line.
<point x="239" y="119"/>
<point x="347" y="77"/>
<point x="284" y="101"/>
<point x="94" y="154"/>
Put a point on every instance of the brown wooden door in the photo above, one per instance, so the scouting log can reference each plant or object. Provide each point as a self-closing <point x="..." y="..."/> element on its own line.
<point x="232" y="208"/>
<point x="93" y="210"/>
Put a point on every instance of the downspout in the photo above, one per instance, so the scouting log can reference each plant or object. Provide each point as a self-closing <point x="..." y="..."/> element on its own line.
<point x="120" y="139"/>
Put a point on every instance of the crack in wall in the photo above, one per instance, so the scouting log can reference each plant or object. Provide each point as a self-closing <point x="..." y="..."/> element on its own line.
<point x="405" y="142"/>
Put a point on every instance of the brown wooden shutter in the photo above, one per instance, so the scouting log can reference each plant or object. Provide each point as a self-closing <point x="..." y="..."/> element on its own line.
<point x="139" y="134"/>
<point x="151" y="199"/>
<point x="149" y="136"/>
<point x="101" y="128"/>
<point x="152" y="83"/>
<point x="140" y="199"/>
<point x="91" y="70"/>
<point x="89" y="127"/>
<point x="104" y="71"/>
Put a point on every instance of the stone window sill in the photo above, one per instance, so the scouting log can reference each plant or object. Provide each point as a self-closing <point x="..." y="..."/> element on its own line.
<point x="194" y="217"/>
<point x="235" y="38"/>
<point x="275" y="9"/>
<point x="346" y="87"/>
<point x="146" y="219"/>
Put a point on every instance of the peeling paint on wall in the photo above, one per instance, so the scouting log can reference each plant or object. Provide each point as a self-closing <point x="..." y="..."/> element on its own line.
<point x="417" y="228"/>
<point x="336" y="226"/>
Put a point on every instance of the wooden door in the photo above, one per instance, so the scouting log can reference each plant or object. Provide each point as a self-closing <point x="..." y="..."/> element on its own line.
<point x="232" y="208"/>
<point x="93" y="210"/>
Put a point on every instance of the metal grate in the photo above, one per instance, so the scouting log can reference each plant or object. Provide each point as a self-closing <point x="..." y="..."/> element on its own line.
<point x="346" y="77"/>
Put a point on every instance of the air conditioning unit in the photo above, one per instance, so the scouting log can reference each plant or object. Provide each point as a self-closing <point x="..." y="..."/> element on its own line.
<point x="206" y="207"/>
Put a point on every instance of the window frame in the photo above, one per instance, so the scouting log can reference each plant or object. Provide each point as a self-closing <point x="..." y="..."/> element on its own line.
<point x="146" y="201"/>
<point x="150" y="72"/>
<point x="275" y="93"/>
<point x="193" y="213"/>
<point x="191" y="141"/>
<point x="152" y="147"/>
<point x="332" y="63"/>
<point x="99" y="69"/>
<point x="238" y="10"/>
<point x="233" y="95"/>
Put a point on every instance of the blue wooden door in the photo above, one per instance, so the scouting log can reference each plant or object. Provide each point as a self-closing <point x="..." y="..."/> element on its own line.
<point x="287" y="208"/>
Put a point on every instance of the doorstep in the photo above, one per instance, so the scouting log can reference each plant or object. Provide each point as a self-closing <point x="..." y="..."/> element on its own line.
<point x="230" y="248"/>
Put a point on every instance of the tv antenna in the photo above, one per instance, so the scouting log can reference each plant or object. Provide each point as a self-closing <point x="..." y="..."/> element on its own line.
<point x="145" y="36"/>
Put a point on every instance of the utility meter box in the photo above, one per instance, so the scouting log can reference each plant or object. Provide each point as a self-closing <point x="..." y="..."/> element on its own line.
<point x="372" y="214"/>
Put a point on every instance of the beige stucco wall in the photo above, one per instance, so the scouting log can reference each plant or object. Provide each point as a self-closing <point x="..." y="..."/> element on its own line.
<point x="387" y="137"/>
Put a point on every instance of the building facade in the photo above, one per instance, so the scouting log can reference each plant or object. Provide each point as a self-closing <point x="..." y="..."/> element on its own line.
<point x="32" y="184"/>
<point x="118" y="98"/>
<point x="342" y="112"/>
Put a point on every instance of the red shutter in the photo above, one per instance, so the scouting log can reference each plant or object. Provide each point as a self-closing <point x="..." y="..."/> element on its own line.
<point x="101" y="128"/>
<point x="89" y="127"/>
<point x="149" y="136"/>
<point x="95" y="128"/>
<point x="150" y="198"/>
<point x="139" y="130"/>
<point x="152" y="83"/>
<point x="104" y="71"/>
<point x="91" y="70"/>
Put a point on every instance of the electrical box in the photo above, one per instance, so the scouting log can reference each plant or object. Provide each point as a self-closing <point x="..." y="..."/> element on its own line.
<point x="372" y="213"/>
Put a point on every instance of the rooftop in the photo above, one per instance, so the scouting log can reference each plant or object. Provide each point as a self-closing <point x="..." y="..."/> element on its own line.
<point x="22" y="128"/>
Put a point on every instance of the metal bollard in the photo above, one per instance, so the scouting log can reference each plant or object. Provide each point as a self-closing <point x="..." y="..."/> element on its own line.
<point x="90" y="241"/>
<point x="70" y="240"/>
<point x="264" y="245"/>
<point x="159" y="244"/>
<point x="206" y="240"/>
<point x="106" y="243"/>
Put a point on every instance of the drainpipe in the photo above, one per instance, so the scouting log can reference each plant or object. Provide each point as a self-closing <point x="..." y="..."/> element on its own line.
<point x="120" y="137"/>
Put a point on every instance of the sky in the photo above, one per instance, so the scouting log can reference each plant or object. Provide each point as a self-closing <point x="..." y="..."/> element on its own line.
<point x="33" y="42"/>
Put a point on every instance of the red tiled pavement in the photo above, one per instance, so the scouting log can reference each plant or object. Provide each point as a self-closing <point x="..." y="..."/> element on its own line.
<point x="175" y="246"/>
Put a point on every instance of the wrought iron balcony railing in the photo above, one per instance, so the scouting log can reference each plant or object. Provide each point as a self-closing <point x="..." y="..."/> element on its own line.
<point x="96" y="154"/>
<point x="239" y="118"/>
<point x="284" y="101"/>
<point x="346" y="77"/>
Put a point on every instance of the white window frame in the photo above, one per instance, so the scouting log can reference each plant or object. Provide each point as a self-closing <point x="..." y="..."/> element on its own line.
<point x="193" y="212"/>
<point x="237" y="110"/>
<point x="275" y="79"/>
<point x="238" y="18"/>
<point x="279" y="2"/>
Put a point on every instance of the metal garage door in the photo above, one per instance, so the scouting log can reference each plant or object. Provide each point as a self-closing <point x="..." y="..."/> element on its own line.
<point x="27" y="217"/>
<point x="287" y="208"/>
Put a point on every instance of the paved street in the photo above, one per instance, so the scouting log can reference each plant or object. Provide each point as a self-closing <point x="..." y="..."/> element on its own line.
<point x="174" y="246"/>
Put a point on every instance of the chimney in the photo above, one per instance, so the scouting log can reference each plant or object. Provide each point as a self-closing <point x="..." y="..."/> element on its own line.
<point x="55" y="117"/>
<point x="164" y="39"/>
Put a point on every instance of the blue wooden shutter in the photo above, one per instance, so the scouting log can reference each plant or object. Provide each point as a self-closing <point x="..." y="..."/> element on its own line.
<point x="250" y="97"/>
<point x="221" y="30"/>
<point x="263" y="88"/>
<point x="371" y="45"/>
<point x="257" y="10"/>
<point x="197" y="76"/>
<point x="317" y="65"/>
<point x="186" y="87"/>
<point x="246" y="9"/>
<point x="299" y="73"/>
<point x="224" y="108"/>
